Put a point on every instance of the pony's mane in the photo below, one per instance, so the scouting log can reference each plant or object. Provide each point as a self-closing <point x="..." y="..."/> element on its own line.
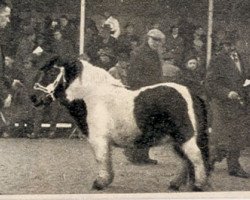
<point x="99" y="76"/>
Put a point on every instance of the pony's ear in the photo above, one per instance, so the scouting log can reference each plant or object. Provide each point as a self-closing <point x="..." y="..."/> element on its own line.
<point x="45" y="61"/>
<point x="72" y="69"/>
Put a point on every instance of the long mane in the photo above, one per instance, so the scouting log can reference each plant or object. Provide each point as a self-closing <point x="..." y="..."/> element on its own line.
<point x="98" y="76"/>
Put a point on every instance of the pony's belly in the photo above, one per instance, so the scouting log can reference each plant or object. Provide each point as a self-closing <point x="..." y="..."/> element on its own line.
<point x="124" y="133"/>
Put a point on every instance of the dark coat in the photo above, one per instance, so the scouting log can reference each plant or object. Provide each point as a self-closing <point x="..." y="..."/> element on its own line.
<point x="193" y="80"/>
<point x="4" y="83"/>
<point x="229" y="124"/>
<point x="62" y="48"/>
<point x="176" y="47"/>
<point x="145" y="68"/>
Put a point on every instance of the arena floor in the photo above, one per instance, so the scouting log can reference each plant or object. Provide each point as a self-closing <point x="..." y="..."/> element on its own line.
<point x="57" y="166"/>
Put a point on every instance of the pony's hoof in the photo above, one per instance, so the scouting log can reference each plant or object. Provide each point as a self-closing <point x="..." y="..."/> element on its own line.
<point x="197" y="189"/>
<point x="101" y="183"/>
<point x="174" y="187"/>
<point x="97" y="186"/>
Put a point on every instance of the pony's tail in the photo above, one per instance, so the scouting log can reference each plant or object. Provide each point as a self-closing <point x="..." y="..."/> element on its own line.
<point x="203" y="137"/>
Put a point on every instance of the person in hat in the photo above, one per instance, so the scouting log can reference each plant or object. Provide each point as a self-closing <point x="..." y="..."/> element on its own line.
<point x="175" y="44"/>
<point x="113" y="23"/>
<point x="145" y="61"/>
<point x="17" y="112"/>
<point x="26" y="46"/>
<point x="106" y="48"/>
<point x="106" y="59"/>
<point x="67" y="30"/>
<point x="225" y="78"/>
<point x="198" y="45"/>
<point x="191" y="76"/>
<point x="145" y="69"/>
<point x="5" y="94"/>
<point x="127" y="40"/>
<point x="91" y="36"/>
<point x="170" y="70"/>
<point x="60" y="45"/>
<point x="119" y="71"/>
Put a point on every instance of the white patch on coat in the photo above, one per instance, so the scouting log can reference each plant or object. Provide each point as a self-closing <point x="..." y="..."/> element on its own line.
<point x="193" y="152"/>
<point x="106" y="98"/>
<point x="97" y="87"/>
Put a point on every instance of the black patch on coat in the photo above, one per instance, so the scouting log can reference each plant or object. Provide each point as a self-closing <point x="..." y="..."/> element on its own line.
<point x="78" y="110"/>
<point x="160" y="111"/>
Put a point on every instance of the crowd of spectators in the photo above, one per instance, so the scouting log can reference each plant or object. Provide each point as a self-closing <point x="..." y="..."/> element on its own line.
<point x="178" y="55"/>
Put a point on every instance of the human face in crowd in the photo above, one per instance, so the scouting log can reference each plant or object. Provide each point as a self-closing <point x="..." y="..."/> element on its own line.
<point x="54" y="24"/>
<point x="63" y="21"/>
<point x="105" y="33"/>
<point x="175" y="31"/>
<point x="57" y="35"/>
<point x="130" y="30"/>
<point x="107" y="14"/>
<point x="155" y="43"/>
<point x="192" y="64"/>
<point x="28" y="64"/>
<point x="8" y="61"/>
<point x="199" y="31"/>
<point x="32" y="37"/>
<point x="230" y="48"/>
<point x="4" y="16"/>
<point x="134" y="45"/>
<point x="156" y="26"/>
<point x="104" y="59"/>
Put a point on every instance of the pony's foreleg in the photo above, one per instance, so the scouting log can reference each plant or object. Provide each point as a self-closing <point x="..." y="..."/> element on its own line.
<point x="102" y="153"/>
<point x="193" y="153"/>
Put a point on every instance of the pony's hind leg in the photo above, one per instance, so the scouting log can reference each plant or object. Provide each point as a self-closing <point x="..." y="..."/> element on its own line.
<point x="183" y="174"/>
<point x="193" y="153"/>
<point x="102" y="152"/>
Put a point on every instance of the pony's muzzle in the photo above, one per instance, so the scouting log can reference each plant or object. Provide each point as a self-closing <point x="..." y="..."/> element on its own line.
<point x="35" y="101"/>
<point x="33" y="98"/>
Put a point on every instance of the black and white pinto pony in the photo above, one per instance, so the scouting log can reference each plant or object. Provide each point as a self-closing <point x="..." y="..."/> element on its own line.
<point x="117" y="116"/>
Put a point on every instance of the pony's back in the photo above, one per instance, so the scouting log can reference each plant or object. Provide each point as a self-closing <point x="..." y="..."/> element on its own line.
<point x="98" y="76"/>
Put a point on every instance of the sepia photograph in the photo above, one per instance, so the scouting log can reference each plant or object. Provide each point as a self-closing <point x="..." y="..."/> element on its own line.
<point x="124" y="99"/>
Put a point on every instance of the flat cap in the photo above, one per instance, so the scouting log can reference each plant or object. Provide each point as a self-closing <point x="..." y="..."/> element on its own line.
<point x="5" y="3"/>
<point x="156" y="34"/>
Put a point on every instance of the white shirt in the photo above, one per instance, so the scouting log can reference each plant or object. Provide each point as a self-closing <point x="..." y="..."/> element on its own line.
<point x="236" y="60"/>
<point x="175" y="36"/>
<point x="114" y="25"/>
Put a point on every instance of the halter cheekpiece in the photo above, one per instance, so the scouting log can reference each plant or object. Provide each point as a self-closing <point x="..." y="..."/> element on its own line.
<point x="50" y="89"/>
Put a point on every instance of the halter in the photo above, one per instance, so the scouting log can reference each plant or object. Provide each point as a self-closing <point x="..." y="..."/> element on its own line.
<point x="50" y="89"/>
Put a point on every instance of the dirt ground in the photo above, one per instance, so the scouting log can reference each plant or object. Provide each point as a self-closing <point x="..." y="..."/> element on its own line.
<point x="64" y="166"/>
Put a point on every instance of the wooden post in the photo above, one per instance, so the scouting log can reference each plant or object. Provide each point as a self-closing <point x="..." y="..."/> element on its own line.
<point x="82" y="27"/>
<point x="210" y="31"/>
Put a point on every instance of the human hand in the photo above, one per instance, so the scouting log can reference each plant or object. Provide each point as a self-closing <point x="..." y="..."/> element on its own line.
<point x="7" y="101"/>
<point x="233" y="95"/>
<point x="16" y="83"/>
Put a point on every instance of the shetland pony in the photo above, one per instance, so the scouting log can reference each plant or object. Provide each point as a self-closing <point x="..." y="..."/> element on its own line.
<point x="117" y="116"/>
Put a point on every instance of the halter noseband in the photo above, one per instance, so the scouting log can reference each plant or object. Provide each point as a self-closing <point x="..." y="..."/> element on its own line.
<point x="50" y="89"/>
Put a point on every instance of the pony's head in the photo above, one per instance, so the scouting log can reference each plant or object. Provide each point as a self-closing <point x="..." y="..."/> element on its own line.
<point x="53" y="78"/>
